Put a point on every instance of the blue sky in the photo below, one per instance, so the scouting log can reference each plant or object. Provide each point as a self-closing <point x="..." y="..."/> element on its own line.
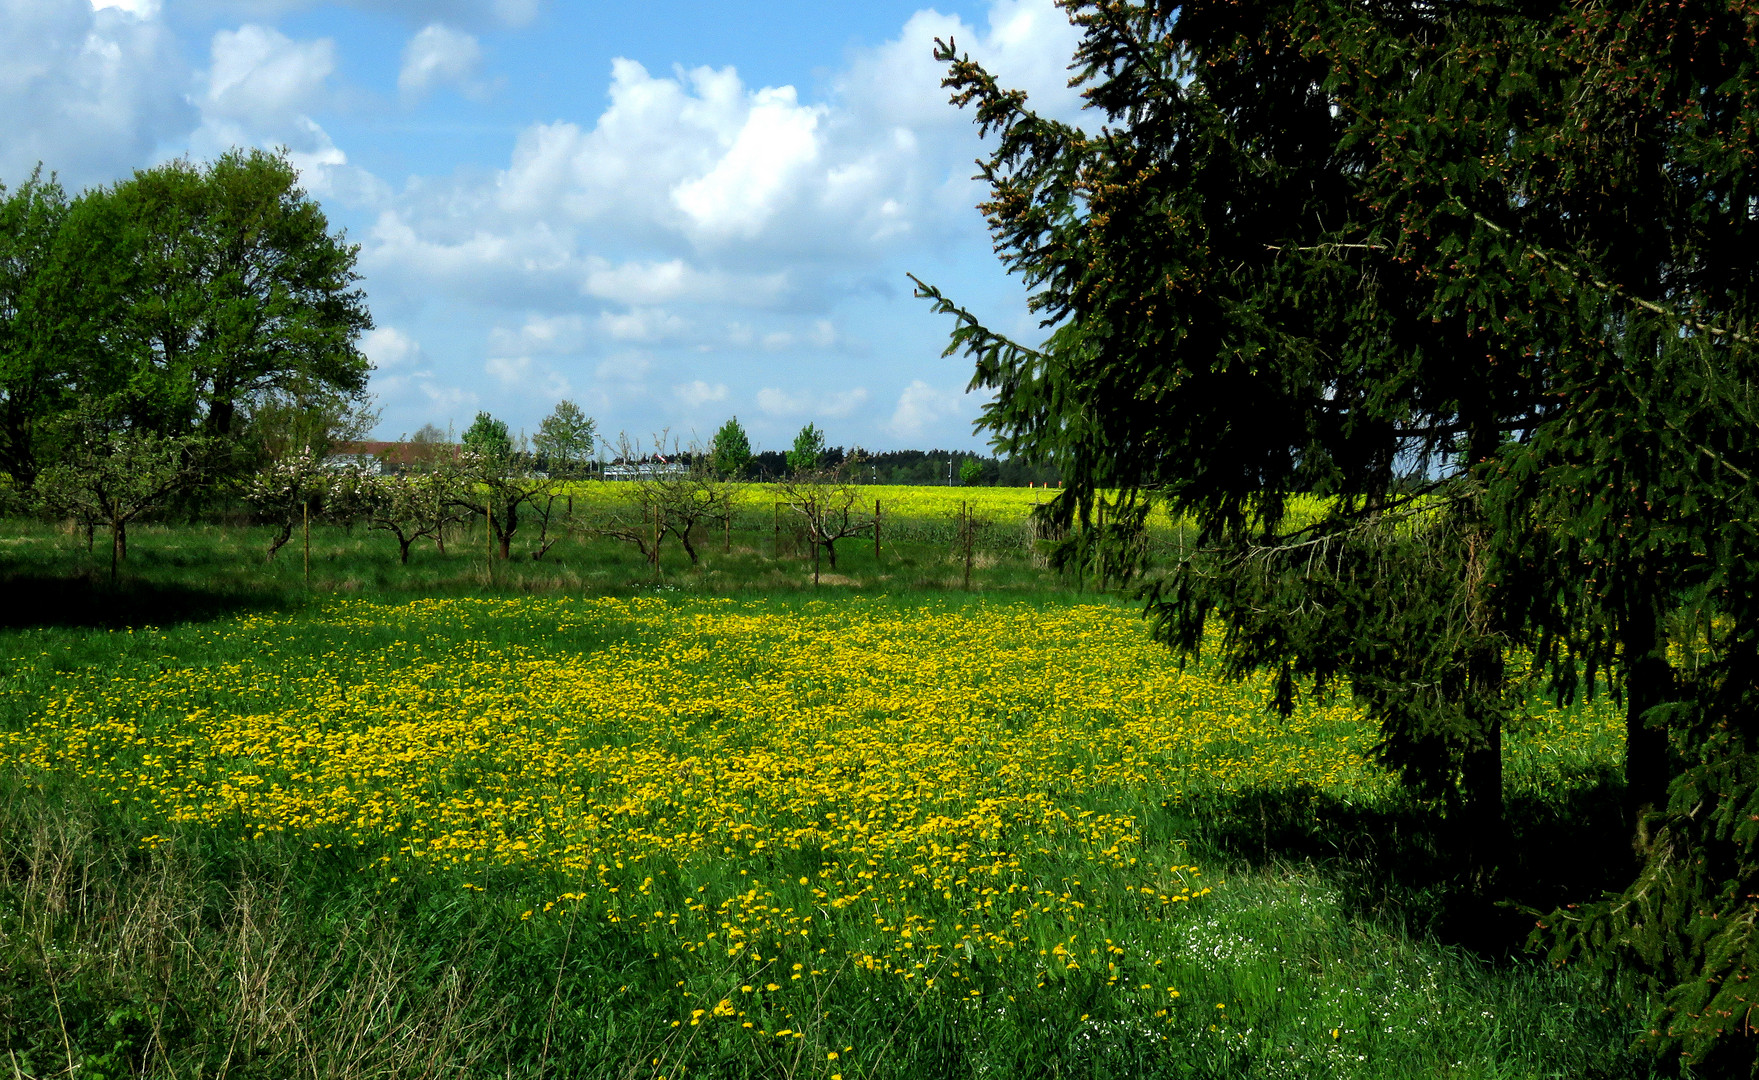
<point x="670" y="212"/>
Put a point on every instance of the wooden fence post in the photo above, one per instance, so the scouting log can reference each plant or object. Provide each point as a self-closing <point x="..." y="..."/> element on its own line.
<point x="876" y="531"/>
<point x="965" y="514"/>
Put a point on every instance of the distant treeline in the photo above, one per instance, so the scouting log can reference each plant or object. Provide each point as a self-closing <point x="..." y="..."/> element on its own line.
<point x="917" y="467"/>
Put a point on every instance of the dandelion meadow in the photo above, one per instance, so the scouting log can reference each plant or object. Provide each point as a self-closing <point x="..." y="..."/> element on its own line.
<point x="692" y="836"/>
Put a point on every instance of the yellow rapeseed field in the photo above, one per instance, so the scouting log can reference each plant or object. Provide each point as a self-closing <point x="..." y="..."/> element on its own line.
<point x="1001" y="505"/>
<point x="900" y="788"/>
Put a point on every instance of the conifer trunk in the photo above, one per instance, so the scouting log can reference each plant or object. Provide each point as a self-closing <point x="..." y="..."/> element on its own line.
<point x="1648" y="679"/>
<point x="1481" y="773"/>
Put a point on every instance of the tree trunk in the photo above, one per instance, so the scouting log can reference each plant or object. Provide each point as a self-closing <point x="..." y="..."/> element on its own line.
<point x="118" y="546"/>
<point x="280" y="539"/>
<point x="509" y="526"/>
<point x="403" y="549"/>
<point x="1481" y="773"/>
<point x="1648" y="681"/>
<point x="220" y="414"/>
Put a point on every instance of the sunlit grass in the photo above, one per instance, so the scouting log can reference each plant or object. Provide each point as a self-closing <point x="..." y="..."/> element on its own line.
<point x="823" y="824"/>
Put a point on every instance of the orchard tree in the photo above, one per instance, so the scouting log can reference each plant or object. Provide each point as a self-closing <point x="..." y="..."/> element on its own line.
<point x="285" y="491"/>
<point x="667" y="502"/>
<point x="731" y="450"/>
<point x="829" y="505"/>
<point x="411" y="505"/>
<point x="111" y="477"/>
<point x="496" y="481"/>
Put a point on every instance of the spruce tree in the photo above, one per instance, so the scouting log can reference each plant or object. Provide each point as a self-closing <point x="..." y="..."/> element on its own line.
<point x="1483" y="280"/>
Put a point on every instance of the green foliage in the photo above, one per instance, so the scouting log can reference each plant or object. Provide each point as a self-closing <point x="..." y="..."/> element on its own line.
<point x="242" y="289"/>
<point x="565" y="440"/>
<point x="808" y="452"/>
<point x="185" y="297"/>
<point x="970" y="471"/>
<point x="488" y="437"/>
<point x="111" y="478"/>
<point x="1218" y="352"/>
<point x="1485" y="277"/>
<point x="730" y="451"/>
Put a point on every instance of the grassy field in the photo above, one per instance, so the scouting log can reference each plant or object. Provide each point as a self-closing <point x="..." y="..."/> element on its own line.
<point x="566" y="819"/>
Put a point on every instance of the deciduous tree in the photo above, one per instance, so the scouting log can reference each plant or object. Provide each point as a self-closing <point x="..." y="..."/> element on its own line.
<point x="242" y="292"/>
<point x="730" y="451"/>
<point x="565" y="440"/>
<point x="112" y="477"/>
<point x="808" y="452"/>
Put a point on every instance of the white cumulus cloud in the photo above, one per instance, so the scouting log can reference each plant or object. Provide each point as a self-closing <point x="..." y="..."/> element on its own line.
<point x="261" y="88"/>
<point x="438" y="56"/>
<point x="833" y="404"/>
<point x="921" y="407"/>
<point x="89" y="92"/>
<point x="698" y="393"/>
<point x="390" y="348"/>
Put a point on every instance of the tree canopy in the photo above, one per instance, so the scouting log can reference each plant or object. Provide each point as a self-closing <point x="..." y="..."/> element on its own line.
<point x="1481" y="277"/>
<point x="566" y="439"/>
<point x="489" y="437"/>
<point x="808" y="452"/>
<point x="186" y="298"/>
<point x="730" y="451"/>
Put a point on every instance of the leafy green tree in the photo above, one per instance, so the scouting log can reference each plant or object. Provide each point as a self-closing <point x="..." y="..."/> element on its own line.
<point x="808" y="451"/>
<point x="730" y="451"/>
<point x="488" y="437"/>
<point x="970" y="471"/>
<point x="566" y="439"/>
<point x="243" y="291"/>
<point x="65" y="280"/>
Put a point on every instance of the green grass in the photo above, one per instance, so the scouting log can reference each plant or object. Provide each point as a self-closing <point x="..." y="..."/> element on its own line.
<point x="209" y="567"/>
<point x="1339" y="939"/>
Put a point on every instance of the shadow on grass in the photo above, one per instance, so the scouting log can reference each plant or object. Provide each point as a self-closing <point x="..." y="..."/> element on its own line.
<point x="89" y="600"/>
<point x="1403" y="863"/>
